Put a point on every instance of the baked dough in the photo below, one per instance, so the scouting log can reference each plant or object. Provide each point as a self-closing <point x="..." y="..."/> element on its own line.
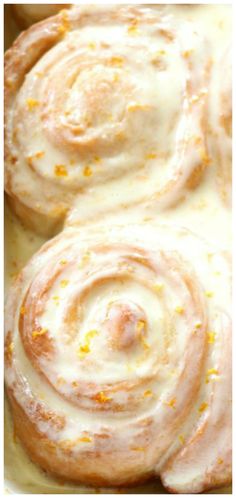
<point x="118" y="358"/>
<point x="109" y="101"/>
<point x="27" y="14"/>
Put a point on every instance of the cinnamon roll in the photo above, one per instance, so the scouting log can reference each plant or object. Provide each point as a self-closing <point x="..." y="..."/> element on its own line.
<point x="27" y="14"/>
<point x="220" y="123"/>
<point x="117" y="356"/>
<point x="106" y="104"/>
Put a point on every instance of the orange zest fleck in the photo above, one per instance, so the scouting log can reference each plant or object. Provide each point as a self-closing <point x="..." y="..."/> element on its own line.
<point x="61" y="29"/>
<point x="64" y="283"/>
<point x="116" y="61"/>
<point x="211" y="337"/>
<point x="148" y="393"/>
<point x="203" y="407"/>
<point x="85" y="348"/>
<point x="212" y="371"/>
<point x="87" y="171"/>
<point x="140" y="325"/>
<point x="38" y="333"/>
<point x="85" y="439"/>
<point x="32" y="103"/>
<point x="102" y="398"/>
<point x="65" y="24"/>
<point x="39" y="154"/>
<point x="179" y="310"/>
<point x="60" y="170"/>
<point x="151" y="155"/>
<point x="186" y="54"/>
<point x="92" y="333"/>
<point x="22" y="310"/>
<point x="171" y="403"/>
<point x="10" y="348"/>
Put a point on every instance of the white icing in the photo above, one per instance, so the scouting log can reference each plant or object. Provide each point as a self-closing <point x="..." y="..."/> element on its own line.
<point x="93" y="122"/>
<point x="201" y="211"/>
<point x="119" y="268"/>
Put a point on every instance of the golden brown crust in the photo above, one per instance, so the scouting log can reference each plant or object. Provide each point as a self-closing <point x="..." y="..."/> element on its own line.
<point x="58" y="460"/>
<point x="27" y="14"/>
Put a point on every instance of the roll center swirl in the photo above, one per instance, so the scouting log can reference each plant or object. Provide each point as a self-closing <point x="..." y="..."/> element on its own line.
<point x="126" y="324"/>
<point x="94" y="96"/>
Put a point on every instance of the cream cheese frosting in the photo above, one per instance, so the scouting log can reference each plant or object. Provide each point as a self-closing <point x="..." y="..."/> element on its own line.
<point x="112" y="98"/>
<point x="152" y="324"/>
<point x="201" y="204"/>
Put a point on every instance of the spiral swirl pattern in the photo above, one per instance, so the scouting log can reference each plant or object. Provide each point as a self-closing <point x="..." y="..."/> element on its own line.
<point x="115" y="354"/>
<point x="97" y="100"/>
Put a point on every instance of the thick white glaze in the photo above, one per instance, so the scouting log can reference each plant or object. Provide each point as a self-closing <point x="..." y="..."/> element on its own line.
<point x="120" y="100"/>
<point x="201" y="210"/>
<point x="147" y="321"/>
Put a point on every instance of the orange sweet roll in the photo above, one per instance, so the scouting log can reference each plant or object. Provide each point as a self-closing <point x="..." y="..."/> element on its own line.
<point x="27" y="14"/>
<point x="104" y="109"/>
<point x="220" y="123"/>
<point x="117" y="357"/>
